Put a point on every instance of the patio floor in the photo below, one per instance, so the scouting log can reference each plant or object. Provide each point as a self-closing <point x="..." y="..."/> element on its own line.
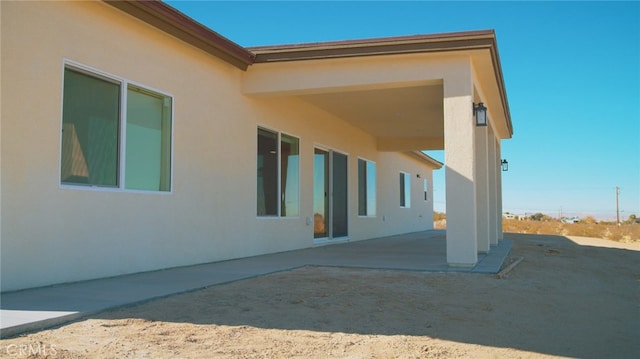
<point x="39" y="308"/>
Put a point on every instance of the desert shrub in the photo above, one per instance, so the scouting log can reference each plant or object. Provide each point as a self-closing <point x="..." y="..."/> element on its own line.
<point x="611" y="231"/>
<point x="439" y="220"/>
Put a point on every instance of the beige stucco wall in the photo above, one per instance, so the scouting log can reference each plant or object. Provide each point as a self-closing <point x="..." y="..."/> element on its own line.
<point x="51" y="234"/>
<point x="1" y="57"/>
<point x="417" y="217"/>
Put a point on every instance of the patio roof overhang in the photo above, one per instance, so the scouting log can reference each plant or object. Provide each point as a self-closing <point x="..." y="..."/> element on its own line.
<point x="391" y="88"/>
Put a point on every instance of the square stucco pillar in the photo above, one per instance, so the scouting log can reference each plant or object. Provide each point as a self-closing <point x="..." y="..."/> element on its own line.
<point x="459" y="146"/>
<point x="494" y="172"/>
<point x="482" y="188"/>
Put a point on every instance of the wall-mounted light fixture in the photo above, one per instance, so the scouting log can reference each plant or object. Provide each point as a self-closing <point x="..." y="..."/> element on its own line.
<point x="505" y="165"/>
<point x="480" y="112"/>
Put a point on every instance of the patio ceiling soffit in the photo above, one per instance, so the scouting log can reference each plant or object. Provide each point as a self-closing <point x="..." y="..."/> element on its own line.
<point x="481" y="46"/>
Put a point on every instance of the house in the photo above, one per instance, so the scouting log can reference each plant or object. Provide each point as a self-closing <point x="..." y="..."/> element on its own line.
<point x="134" y="139"/>
<point x="509" y="216"/>
<point x="570" y="220"/>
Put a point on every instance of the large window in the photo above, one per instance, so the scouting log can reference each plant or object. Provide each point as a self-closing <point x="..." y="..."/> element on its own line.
<point x="278" y="174"/>
<point x="366" y="188"/>
<point x="405" y="190"/>
<point x="106" y="146"/>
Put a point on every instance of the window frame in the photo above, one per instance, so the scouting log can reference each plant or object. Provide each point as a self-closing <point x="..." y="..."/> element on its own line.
<point x="280" y="135"/>
<point x="124" y="84"/>
<point x="366" y="189"/>
<point x="425" y="187"/>
<point x="405" y="184"/>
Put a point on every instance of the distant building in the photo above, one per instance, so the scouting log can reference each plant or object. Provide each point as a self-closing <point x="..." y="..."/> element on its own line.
<point x="570" y="220"/>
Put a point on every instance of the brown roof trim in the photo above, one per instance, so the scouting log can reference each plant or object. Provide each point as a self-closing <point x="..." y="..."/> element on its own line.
<point x="376" y="46"/>
<point x="435" y="164"/>
<point x="374" y="49"/>
<point x="173" y="22"/>
<point x="497" y="69"/>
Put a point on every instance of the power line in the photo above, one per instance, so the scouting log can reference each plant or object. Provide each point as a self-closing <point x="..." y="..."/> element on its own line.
<point x="617" y="207"/>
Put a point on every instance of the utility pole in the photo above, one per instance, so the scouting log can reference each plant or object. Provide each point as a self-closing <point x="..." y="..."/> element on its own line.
<point x="617" y="207"/>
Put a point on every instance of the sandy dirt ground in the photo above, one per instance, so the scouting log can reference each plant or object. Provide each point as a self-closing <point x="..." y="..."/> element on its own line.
<point x="563" y="300"/>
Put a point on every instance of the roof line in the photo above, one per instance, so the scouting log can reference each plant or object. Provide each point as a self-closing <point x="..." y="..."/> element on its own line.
<point x="497" y="69"/>
<point x="375" y="41"/>
<point x="370" y="50"/>
<point x="428" y="159"/>
<point x="170" y="20"/>
<point x="379" y="46"/>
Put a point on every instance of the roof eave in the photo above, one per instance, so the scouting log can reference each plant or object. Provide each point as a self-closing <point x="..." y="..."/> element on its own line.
<point x="436" y="165"/>
<point x="497" y="67"/>
<point x="377" y="46"/>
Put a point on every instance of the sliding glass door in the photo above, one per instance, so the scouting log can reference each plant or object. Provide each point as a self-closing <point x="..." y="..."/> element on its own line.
<point x="339" y="198"/>
<point x="320" y="193"/>
<point x="330" y="194"/>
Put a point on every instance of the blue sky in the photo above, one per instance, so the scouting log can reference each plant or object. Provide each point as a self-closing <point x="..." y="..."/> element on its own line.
<point x="571" y="69"/>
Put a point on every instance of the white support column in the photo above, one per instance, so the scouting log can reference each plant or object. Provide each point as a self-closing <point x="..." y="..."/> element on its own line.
<point x="494" y="172"/>
<point x="482" y="188"/>
<point x="499" y="189"/>
<point x="459" y="145"/>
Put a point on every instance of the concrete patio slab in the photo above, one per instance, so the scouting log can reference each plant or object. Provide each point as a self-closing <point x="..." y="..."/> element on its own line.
<point x="38" y="308"/>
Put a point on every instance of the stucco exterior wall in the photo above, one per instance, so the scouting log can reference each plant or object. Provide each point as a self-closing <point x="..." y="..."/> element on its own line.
<point x="52" y="234"/>
<point x="419" y="215"/>
<point x="1" y="71"/>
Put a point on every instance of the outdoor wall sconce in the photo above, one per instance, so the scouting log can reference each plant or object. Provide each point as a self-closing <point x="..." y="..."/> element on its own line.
<point x="505" y="165"/>
<point x="480" y="112"/>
